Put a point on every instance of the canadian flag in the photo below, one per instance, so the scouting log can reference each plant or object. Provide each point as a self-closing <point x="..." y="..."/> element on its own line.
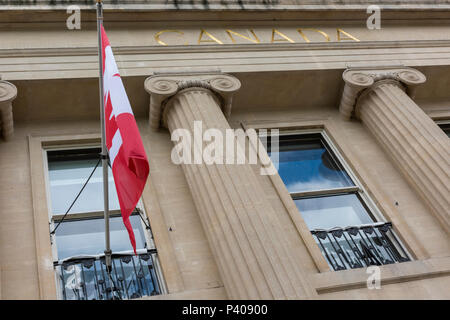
<point x="126" y="152"/>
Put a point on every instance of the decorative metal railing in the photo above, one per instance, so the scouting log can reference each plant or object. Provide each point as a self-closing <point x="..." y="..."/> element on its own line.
<point x="360" y="246"/>
<point x="86" y="278"/>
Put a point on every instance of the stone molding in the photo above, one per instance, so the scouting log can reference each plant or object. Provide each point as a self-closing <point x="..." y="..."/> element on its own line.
<point x="291" y="57"/>
<point x="306" y="6"/>
<point x="359" y="81"/>
<point x="162" y="87"/>
<point x="8" y="92"/>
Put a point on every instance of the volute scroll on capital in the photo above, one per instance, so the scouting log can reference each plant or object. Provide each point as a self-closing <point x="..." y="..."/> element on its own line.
<point x="162" y="87"/>
<point x="8" y="92"/>
<point x="360" y="81"/>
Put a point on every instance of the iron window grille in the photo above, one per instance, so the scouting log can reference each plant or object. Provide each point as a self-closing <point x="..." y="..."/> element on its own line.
<point x="360" y="246"/>
<point x="132" y="276"/>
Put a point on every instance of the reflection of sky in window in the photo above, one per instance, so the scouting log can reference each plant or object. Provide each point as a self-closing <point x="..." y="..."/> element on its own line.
<point x="333" y="211"/>
<point x="67" y="179"/>
<point x="308" y="167"/>
<point x="87" y="237"/>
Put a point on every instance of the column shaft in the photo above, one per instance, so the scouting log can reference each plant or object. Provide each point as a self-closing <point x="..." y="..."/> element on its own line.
<point x="418" y="146"/>
<point x="6" y="120"/>
<point x="8" y="92"/>
<point x="246" y="238"/>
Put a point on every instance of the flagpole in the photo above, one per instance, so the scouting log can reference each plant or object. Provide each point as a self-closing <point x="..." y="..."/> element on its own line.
<point x="104" y="154"/>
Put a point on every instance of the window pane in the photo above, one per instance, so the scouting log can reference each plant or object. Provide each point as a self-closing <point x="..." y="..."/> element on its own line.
<point x="333" y="211"/>
<point x="446" y="128"/>
<point x="67" y="174"/>
<point x="87" y="237"/>
<point x="305" y="165"/>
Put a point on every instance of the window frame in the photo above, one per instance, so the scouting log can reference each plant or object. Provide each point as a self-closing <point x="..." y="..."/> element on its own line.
<point x="54" y="219"/>
<point x="358" y="187"/>
<point x="441" y="123"/>
<point x="321" y="127"/>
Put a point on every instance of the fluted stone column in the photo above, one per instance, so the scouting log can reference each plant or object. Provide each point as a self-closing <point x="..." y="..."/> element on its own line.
<point x="418" y="146"/>
<point x="8" y="92"/>
<point x="245" y="236"/>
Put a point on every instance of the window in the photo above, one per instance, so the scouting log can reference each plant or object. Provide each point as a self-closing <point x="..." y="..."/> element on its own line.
<point x="332" y="204"/>
<point x="79" y="239"/>
<point x="445" y="126"/>
<point x="68" y="171"/>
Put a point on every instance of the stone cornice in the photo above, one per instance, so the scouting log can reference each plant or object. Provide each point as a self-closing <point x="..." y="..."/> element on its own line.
<point x="211" y="5"/>
<point x="359" y="81"/>
<point x="8" y="92"/>
<point x="37" y="64"/>
<point x="92" y="51"/>
<point x="163" y="86"/>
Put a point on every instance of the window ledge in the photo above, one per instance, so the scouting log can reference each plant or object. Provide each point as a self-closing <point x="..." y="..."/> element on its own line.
<point x="333" y="281"/>
<point x="216" y="293"/>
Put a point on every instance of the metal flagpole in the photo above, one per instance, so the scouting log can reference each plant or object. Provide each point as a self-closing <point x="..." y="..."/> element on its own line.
<point x="104" y="154"/>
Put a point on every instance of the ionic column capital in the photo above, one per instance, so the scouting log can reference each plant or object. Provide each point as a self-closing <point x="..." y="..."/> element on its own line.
<point x="162" y="87"/>
<point x="8" y="92"/>
<point x="363" y="80"/>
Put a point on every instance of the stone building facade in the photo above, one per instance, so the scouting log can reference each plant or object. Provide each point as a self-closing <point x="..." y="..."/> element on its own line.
<point x="375" y="100"/>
